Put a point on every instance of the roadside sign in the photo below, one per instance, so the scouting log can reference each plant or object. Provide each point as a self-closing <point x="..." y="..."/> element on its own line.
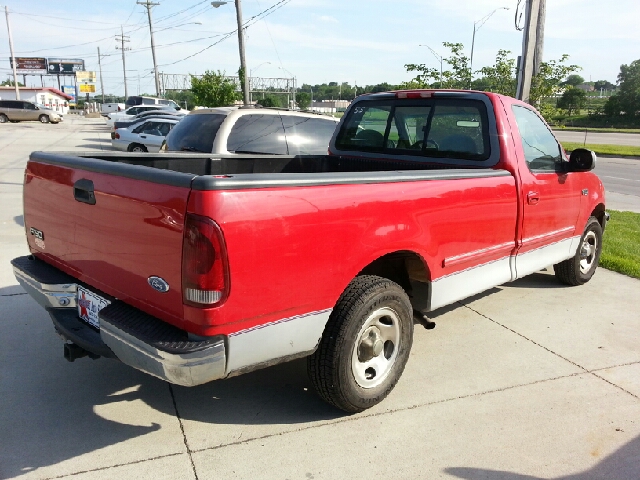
<point x="70" y="90"/>
<point x="86" y="77"/>
<point x="30" y="65"/>
<point x="87" y="88"/>
<point x="65" y="66"/>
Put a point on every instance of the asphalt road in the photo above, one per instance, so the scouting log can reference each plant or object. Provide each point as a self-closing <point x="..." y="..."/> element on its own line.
<point x="527" y="381"/>
<point x="631" y="139"/>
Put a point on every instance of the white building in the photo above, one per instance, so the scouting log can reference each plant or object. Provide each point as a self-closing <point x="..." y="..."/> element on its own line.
<point x="329" y="106"/>
<point x="48" y="96"/>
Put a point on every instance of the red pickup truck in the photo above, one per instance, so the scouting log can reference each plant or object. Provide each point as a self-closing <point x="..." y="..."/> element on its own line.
<point x="197" y="267"/>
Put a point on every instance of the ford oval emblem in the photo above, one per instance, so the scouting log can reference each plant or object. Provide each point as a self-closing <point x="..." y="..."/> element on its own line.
<point x="158" y="284"/>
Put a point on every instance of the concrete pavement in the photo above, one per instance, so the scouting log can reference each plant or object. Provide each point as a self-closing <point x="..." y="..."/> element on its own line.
<point x="528" y="380"/>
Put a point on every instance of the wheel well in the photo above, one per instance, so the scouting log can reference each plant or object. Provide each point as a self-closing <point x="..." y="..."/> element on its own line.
<point x="401" y="267"/>
<point x="599" y="212"/>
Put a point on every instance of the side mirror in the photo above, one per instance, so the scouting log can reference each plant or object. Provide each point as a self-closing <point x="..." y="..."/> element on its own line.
<point x="582" y="160"/>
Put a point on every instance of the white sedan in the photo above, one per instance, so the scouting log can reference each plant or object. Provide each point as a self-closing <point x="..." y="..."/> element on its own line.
<point x="143" y="137"/>
<point x="131" y="112"/>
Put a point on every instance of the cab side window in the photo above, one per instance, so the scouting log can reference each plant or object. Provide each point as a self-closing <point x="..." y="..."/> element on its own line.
<point x="258" y="133"/>
<point x="541" y="150"/>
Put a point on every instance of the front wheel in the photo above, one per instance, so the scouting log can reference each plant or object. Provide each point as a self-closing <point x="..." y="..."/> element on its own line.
<point x="580" y="268"/>
<point x="3" y="118"/>
<point x="365" y="345"/>
<point x="44" y="118"/>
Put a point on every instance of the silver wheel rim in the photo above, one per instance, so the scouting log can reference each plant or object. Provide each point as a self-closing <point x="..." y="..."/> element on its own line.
<point x="136" y="149"/>
<point x="588" y="251"/>
<point x="376" y="348"/>
<point x="3" y="119"/>
<point x="43" y="119"/>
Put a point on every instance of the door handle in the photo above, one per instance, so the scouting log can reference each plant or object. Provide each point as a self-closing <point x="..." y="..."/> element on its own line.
<point x="143" y="136"/>
<point x="533" y="198"/>
<point x="83" y="191"/>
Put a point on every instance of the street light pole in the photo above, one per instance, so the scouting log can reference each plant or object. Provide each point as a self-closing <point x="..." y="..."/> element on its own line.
<point x="101" y="82"/>
<point x="243" y="63"/>
<point x="122" y="40"/>
<point x="481" y="22"/>
<point x="13" y="58"/>
<point x="437" y="57"/>
<point x="148" y="4"/>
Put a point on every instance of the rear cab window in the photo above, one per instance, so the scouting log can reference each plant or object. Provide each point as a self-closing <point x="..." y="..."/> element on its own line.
<point x="448" y="129"/>
<point x="195" y="133"/>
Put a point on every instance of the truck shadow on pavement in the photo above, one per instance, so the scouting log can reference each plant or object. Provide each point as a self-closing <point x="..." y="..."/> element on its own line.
<point x="53" y="411"/>
<point x="623" y="464"/>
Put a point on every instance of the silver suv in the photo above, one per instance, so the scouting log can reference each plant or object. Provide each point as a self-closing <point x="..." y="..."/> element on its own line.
<point x="229" y="130"/>
<point x="21" y="110"/>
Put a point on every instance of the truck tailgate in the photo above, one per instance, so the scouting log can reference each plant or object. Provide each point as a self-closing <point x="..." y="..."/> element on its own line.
<point x="111" y="226"/>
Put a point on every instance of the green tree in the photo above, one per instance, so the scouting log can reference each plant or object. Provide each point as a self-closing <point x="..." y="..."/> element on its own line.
<point x="547" y="82"/>
<point x="574" y="80"/>
<point x="213" y="89"/>
<point x="572" y="100"/>
<point x="459" y="75"/>
<point x="627" y="100"/>
<point x="500" y="77"/>
<point x="184" y="98"/>
<point x="303" y="99"/>
<point x="274" y="101"/>
<point x="9" y="83"/>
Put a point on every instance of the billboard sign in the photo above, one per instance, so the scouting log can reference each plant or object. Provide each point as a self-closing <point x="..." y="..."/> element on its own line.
<point x="30" y="65"/>
<point x="87" y="88"/>
<point x="86" y="77"/>
<point x="64" y="66"/>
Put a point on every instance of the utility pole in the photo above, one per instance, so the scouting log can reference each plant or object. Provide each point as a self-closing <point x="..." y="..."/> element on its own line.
<point x="13" y="58"/>
<point x="529" y="42"/>
<point x="148" y="4"/>
<point x="101" y="82"/>
<point x="537" y="56"/>
<point x="122" y="39"/>
<point x="243" y="63"/>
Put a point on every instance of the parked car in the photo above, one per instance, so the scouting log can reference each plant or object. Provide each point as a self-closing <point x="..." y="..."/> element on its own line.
<point x="22" y="110"/>
<point x="141" y="100"/>
<point x="146" y="137"/>
<point x="132" y="112"/>
<point x="107" y="108"/>
<point x="159" y="113"/>
<point x="226" y="130"/>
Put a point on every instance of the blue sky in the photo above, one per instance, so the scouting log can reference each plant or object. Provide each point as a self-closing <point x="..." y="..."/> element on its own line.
<point x="317" y="41"/>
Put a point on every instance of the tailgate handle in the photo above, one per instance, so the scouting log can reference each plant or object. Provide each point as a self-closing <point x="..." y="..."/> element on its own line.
<point x="83" y="191"/>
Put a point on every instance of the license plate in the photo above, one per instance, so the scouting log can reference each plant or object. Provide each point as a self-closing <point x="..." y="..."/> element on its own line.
<point x="89" y="305"/>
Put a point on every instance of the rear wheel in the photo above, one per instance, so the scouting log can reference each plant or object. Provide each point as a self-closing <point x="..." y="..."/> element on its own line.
<point x="136" y="147"/>
<point x="44" y="118"/>
<point x="580" y="268"/>
<point x="365" y="345"/>
<point x="3" y="118"/>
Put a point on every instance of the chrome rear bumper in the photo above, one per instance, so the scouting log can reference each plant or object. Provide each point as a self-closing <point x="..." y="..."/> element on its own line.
<point x="136" y="338"/>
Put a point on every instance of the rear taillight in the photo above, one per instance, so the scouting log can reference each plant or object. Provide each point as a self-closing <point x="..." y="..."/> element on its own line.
<point x="116" y="135"/>
<point x="205" y="271"/>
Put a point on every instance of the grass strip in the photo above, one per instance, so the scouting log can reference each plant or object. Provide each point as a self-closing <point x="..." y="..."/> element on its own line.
<point x="597" y="129"/>
<point x="621" y="244"/>
<point x="622" y="150"/>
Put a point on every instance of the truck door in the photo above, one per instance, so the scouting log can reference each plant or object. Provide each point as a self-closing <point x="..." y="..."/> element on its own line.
<point x="550" y="196"/>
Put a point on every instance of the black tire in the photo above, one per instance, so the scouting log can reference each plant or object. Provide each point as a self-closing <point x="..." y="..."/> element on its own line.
<point x="44" y="118"/>
<point x="136" y="147"/>
<point x="3" y="118"/>
<point x="579" y="269"/>
<point x="372" y="324"/>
